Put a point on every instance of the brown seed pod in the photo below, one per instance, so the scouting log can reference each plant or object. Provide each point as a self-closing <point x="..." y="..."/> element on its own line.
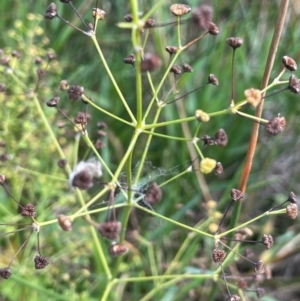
<point x="151" y="62"/>
<point x="207" y="140"/>
<point x="294" y="84"/>
<point x="219" y="255"/>
<point x="98" y="13"/>
<point x="128" y="18"/>
<point x="64" y="222"/>
<point x="289" y="63"/>
<point x="53" y="102"/>
<point x="5" y="273"/>
<point x="129" y="59"/>
<point x="187" y="68"/>
<point x="221" y="138"/>
<point x="275" y="126"/>
<point x="292" y="198"/>
<point x="236" y="195"/>
<point x="219" y="168"/>
<point x="176" y="69"/>
<point x="292" y="210"/>
<point x="149" y="23"/>
<point x="213" y="29"/>
<point x="117" y="249"/>
<point x="110" y="230"/>
<point x="51" y="12"/>
<point x="171" y="49"/>
<point x="153" y="194"/>
<point x="268" y="241"/>
<point x="235" y="42"/>
<point x="212" y="79"/>
<point x="75" y="92"/>
<point x="258" y="266"/>
<point x="28" y="210"/>
<point x="40" y="262"/>
<point x="180" y="9"/>
<point x="64" y="85"/>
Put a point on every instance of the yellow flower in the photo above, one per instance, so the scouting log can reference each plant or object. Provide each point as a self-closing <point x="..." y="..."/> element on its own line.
<point x="207" y="165"/>
<point x="202" y="116"/>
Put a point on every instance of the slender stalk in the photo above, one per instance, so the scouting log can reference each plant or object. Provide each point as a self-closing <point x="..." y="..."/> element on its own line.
<point x="282" y="11"/>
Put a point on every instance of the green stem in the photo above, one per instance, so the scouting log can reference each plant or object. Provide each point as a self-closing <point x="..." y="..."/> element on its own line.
<point x="93" y="37"/>
<point x="281" y="211"/>
<point x="174" y="222"/>
<point x="105" y="112"/>
<point x="189" y="169"/>
<point x="167" y="136"/>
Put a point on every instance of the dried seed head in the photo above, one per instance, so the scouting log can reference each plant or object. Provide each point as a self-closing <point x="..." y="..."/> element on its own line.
<point x="62" y="163"/>
<point x="219" y="255"/>
<point x="128" y="18"/>
<point x="234" y="42"/>
<point x="292" y="198"/>
<point x="187" y="68"/>
<point x="294" y="84"/>
<point x="51" y="12"/>
<point x="153" y="194"/>
<point x="53" y="101"/>
<point x="99" y="144"/>
<point x="171" y="49"/>
<point x="207" y="165"/>
<point x="2" y="179"/>
<point x="233" y="298"/>
<point x="84" y="172"/>
<point x="51" y="56"/>
<point x="40" y="262"/>
<point x="117" y="249"/>
<point x="38" y="60"/>
<point x="212" y="79"/>
<point x="2" y="87"/>
<point x="102" y="125"/>
<point x="82" y="118"/>
<point x="150" y="62"/>
<point x="253" y="96"/>
<point x="41" y="72"/>
<point x="267" y="240"/>
<point x="5" y="273"/>
<point x="64" y="222"/>
<point x="202" y="116"/>
<point x="129" y="59"/>
<point x="176" y="69"/>
<point x="149" y="23"/>
<point x="219" y="168"/>
<point x="221" y="138"/>
<point x="213" y="28"/>
<point x="276" y="125"/>
<point x="16" y="54"/>
<point x="242" y="284"/>
<point x="99" y="14"/>
<point x="236" y="195"/>
<point x="64" y="85"/>
<point x="260" y="292"/>
<point x="289" y="63"/>
<point x="292" y="210"/>
<point x="202" y="15"/>
<point x="208" y="140"/>
<point x="258" y="266"/>
<point x="75" y="92"/>
<point x="28" y="210"/>
<point x="180" y="9"/>
<point x="110" y="230"/>
<point x="5" y="60"/>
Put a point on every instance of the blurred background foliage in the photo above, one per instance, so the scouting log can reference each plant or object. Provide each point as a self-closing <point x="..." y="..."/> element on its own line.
<point x="75" y="274"/>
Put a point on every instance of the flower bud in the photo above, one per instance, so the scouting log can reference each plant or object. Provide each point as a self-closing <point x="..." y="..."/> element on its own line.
<point x="202" y="116"/>
<point x="40" y="262"/>
<point x="276" y="125"/>
<point x="51" y="12"/>
<point x="64" y="222"/>
<point x="219" y="255"/>
<point x="207" y="165"/>
<point x="53" y="102"/>
<point x="129" y="59"/>
<point x="99" y="13"/>
<point x="253" y="96"/>
<point x="117" y="249"/>
<point x="171" y="49"/>
<point x="213" y="29"/>
<point x="212" y="79"/>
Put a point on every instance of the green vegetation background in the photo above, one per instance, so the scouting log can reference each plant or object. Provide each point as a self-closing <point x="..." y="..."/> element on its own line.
<point x="74" y="274"/>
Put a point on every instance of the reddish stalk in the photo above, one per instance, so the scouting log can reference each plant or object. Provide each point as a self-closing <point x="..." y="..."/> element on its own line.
<point x="269" y="65"/>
